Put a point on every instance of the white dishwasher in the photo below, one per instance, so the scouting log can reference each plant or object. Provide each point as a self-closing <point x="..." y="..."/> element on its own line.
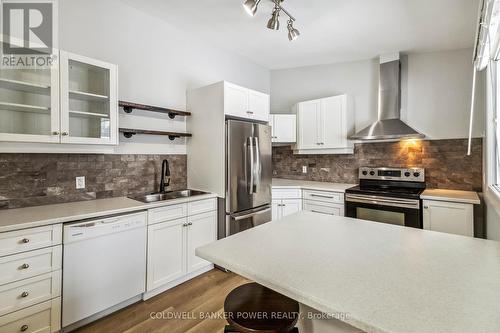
<point x="104" y="266"/>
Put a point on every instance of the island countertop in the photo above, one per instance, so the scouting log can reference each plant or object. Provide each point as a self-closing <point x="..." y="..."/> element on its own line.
<point x="385" y="278"/>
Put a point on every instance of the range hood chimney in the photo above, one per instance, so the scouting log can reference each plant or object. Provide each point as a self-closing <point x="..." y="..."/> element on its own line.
<point x="389" y="125"/>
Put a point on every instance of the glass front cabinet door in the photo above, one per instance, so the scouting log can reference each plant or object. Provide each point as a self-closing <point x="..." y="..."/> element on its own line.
<point x="29" y="105"/>
<point x="89" y="106"/>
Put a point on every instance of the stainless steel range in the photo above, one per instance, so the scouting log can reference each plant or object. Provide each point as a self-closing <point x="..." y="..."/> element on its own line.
<point x="388" y="195"/>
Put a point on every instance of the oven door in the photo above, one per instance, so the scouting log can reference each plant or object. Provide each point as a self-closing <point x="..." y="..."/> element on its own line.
<point x="404" y="212"/>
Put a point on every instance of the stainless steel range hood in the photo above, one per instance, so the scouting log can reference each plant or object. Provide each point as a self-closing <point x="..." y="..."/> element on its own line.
<point x="389" y="125"/>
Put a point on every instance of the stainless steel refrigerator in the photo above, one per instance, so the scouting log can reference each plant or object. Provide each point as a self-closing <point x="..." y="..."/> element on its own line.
<point x="248" y="176"/>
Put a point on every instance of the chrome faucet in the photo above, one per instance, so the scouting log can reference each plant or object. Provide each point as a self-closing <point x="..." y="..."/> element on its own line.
<point x="165" y="176"/>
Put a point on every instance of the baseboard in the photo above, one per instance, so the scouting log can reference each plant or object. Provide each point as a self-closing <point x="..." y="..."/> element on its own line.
<point x="147" y="295"/>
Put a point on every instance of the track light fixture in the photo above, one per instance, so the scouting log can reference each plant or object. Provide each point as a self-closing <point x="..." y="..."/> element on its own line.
<point x="274" y="23"/>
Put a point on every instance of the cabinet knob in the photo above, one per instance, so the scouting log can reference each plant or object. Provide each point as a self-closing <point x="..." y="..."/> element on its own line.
<point x="25" y="240"/>
<point x="190" y="223"/>
<point x="426" y="207"/>
<point x="25" y="266"/>
<point x="24" y="328"/>
<point x="249" y="112"/>
<point x="25" y="294"/>
<point x="65" y="133"/>
<point x="56" y="133"/>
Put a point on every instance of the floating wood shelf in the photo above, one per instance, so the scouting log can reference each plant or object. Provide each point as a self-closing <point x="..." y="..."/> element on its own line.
<point x="129" y="132"/>
<point x="128" y="107"/>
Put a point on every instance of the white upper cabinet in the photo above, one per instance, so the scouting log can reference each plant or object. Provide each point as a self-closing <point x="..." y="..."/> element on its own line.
<point x="323" y="126"/>
<point x="74" y="102"/>
<point x="308" y="124"/>
<point x="89" y="103"/>
<point x="29" y="105"/>
<point x="284" y="128"/>
<point x="245" y="103"/>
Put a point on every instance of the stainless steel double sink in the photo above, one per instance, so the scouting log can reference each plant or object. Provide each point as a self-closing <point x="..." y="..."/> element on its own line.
<point x="155" y="197"/>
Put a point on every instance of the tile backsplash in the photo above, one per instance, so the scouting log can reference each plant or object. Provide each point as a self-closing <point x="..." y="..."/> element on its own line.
<point x="39" y="179"/>
<point x="445" y="161"/>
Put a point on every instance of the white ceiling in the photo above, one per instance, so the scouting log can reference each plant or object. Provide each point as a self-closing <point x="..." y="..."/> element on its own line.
<point x="332" y="30"/>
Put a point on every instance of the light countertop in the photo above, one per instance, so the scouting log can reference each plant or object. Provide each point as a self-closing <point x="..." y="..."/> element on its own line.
<point x="386" y="278"/>
<point x="451" y="196"/>
<point x="310" y="185"/>
<point x="21" y="218"/>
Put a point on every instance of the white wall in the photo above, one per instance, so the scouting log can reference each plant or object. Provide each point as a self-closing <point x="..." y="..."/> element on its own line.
<point x="436" y="91"/>
<point x="157" y="64"/>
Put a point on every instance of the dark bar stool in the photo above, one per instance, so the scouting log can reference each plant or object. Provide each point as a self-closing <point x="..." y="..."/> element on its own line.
<point x="252" y="308"/>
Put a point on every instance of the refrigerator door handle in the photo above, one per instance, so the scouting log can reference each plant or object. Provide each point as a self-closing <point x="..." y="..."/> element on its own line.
<point x="244" y="217"/>
<point x="257" y="166"/>
<point x="250" y="149"/>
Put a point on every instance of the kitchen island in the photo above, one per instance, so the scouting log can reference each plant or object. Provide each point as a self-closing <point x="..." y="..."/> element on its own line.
<point x="370" y="276"/>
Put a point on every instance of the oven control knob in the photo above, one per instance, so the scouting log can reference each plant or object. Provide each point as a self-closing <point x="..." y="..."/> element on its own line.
<point x="372" y="173"/>
<point x="416" y="174"/>
<point x="407" y="174"/>
<point x="365" y="173"/>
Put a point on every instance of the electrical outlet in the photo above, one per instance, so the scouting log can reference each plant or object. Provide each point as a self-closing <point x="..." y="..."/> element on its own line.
<point x="80" y="183"/>
<point x="304" y="169"/>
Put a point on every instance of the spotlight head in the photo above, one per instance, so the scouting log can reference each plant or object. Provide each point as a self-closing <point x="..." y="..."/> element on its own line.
<point x="293" y="33"/>
<point x="274" y="23"/>
<point x="251" y="6"/>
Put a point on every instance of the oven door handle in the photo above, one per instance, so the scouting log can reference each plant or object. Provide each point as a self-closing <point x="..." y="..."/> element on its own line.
<point x="383" y="201"/>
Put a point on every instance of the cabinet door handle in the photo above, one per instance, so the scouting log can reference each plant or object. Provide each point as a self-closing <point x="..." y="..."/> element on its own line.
<point x="322" y="196"/>
<point x="65" y="133"/>
<point x="24" y="328"/>
<point x="190" y="223"/>
<point x="25" y="294"/>
<point x="56" y="133"/>
<point x="25" y="240"/>
<point x="318" y="212"/>
<point x="24" y="266"/>
<point x="426" y="207"/>
<point x="249" y="112"/>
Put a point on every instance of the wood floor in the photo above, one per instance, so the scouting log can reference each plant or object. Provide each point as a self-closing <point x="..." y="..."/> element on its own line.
<point x="192" y="299"/>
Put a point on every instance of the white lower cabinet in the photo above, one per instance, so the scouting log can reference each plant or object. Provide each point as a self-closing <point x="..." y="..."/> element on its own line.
<point x="30" y="280"/>
<point x="449" y="217"/>
<point x="282" y="208"/>
<point x="166" y="252"/>
<point x="201" y="230"/>
<point x="172" y="243"/>
<point x="323" y="208"/>
<point x="324" y="202"/>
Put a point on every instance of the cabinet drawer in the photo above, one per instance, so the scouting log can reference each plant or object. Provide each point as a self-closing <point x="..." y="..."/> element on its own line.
<point x="29" y="264"/>
<point x="167" y="213"/>
<point x="286" y="193"/>
<point x="323" y="208"/>
<point x="202" y="206"/>
<point x="333" y="197"/>
<point x="41" y="318"/>
<point x="30" y="239"/>
<point x="22" y="294"/>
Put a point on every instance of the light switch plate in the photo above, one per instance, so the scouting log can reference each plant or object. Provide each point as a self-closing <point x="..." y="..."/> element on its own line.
<point x="80" y="183"/>
<point x="304" y="169"/>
